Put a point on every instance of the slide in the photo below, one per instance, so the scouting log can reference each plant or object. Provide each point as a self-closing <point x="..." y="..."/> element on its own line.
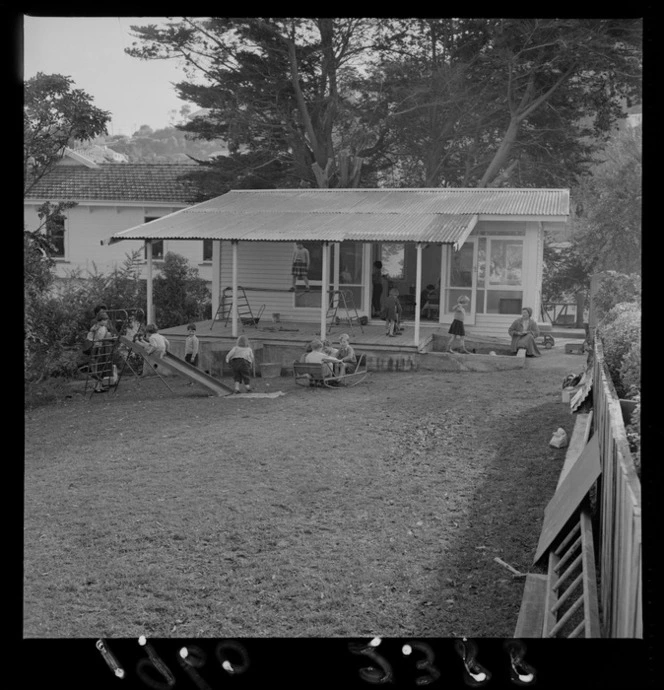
<point x="180" y="367"/>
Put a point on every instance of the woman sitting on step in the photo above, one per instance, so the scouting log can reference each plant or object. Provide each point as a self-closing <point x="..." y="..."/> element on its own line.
<point x="524" y="330"/>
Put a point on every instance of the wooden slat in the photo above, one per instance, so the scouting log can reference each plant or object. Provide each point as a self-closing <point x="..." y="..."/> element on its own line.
<point x="580" y="436"/>
<point x="570" y="569"/>
<point x="570" y="535"/>
<point x="570" y="552"/>
<point x="567" y="593"/>
<point x="568" y="614"/>
<point x="578" y="630"/>
<point x="551" y="597"/>
<point x="567" y="498"/>
<point x="619" y="538"/>
<point x="590" y="602"/>
<point x="531" y="614"/>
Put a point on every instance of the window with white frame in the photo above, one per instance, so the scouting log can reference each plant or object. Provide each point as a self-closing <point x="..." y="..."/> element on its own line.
<point x="157" y="245"/>
<point x="499" y="275"/>
<point x="207" y="250"/>
<point x="55" y="233"/>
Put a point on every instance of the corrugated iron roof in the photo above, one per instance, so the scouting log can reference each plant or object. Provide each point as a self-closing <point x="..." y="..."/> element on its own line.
<point x="420" y="215"/>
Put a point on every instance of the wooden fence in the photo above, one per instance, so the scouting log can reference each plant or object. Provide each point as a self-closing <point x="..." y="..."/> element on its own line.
<point x="619" y="496"/>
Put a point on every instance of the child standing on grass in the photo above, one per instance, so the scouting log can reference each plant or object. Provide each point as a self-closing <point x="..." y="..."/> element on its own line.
<point x="241" y="359"/>
<point x="191" y="345"/>
<point x="100" y="334"/>
<point x="457" y="329"/>
<point x="392" y="311"/>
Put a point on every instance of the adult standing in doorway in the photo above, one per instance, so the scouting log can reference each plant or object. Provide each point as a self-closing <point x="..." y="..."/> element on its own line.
<point x="300" y="268"/>
<point x="377" y="288"/>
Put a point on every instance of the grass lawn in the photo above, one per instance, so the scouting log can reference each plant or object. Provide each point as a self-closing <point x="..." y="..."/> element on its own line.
<point x="376" y="510"/>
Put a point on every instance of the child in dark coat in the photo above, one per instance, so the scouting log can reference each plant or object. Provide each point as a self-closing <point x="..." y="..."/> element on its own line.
<point x="392" y="310"/>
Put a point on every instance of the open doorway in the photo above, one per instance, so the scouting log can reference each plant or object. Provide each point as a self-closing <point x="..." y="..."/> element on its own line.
<point x="399" y="266"/>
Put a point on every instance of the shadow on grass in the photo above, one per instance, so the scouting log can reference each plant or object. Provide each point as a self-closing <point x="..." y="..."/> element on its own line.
<point x="475" y="595"/>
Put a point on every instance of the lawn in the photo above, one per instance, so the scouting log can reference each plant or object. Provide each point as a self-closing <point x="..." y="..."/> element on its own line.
<point x="375" y="510"/>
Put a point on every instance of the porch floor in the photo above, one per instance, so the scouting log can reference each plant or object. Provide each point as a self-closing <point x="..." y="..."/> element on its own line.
<point x="300" y="333"/>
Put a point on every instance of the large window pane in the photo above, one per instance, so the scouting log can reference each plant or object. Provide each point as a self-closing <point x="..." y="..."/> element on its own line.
<point x="506" y="262"/>
<point x="350" y="263"/>
<point x="393" y="256"/>
<point x="453" y="297"/>
<point x="481" y="262"/>
<point x="315" y="259"/>
<point x="462" y="266"/>
<point x="504" y="301"/>
<point x="352" y="296"/>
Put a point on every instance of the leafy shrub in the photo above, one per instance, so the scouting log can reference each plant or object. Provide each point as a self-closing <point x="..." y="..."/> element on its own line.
<point x="630" y="369"/>
<point x="634" y="435"/>
<point x="58" y="312"/>
<point x="619" y="331"/>
<point x="122" y="288"/>
<point x="180" y="295"/>
<point x="616" y="288"/>
<point x="58" y="318"/>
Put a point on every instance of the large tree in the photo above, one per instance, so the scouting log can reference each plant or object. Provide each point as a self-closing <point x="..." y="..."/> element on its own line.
<point x="54" y="116"/>
<point x="487" y="102"/>
<point x="607" y="223"/>
<point x="454" y="102"/>
<point x="276" y="90"/>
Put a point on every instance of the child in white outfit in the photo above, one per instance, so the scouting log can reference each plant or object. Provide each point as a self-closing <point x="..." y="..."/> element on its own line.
<point x="241" y="359"/>
<point x="157" y="344"/>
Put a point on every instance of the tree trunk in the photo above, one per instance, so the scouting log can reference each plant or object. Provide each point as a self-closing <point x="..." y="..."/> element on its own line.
<point x="349" y="170"/>
<point x="580" y="297"/>
<point x="501" y="156"/>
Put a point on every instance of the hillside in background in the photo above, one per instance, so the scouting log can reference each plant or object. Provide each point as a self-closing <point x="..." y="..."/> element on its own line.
<point x="167" y="145"/>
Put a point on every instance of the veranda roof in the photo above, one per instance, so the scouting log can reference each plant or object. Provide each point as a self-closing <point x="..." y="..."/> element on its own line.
<point x="445" y="216"/>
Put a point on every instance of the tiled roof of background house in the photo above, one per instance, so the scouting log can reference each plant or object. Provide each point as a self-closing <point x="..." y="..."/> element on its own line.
<point x="138" y="182"/>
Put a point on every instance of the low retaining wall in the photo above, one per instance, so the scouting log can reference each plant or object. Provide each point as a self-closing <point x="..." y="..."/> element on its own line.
<point x="443" y="361"/>
<point x="212" y="358"/>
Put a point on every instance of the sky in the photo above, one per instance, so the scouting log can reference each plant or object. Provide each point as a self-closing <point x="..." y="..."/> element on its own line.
<point x="90" y="50"/>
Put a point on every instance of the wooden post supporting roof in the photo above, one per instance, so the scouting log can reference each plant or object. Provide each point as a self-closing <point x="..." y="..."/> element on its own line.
<point x="150" y="305"/>
<point x="216" y="276"/>
<point x="234" y="244"/>
<point x="418" y="290"/>
<point x="324" y="292"/>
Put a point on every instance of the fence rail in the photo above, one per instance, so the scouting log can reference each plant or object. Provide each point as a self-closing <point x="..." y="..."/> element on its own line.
<point x="619" y="561"/>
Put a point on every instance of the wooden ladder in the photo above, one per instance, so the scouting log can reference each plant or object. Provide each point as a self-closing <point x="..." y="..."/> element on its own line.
<point x="225" y="310"/>
<point x="563" y="603"/>
<point x="342" y="300"/>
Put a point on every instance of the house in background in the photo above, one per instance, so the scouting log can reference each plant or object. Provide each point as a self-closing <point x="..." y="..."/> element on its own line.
<point x="101" y="154"/>
<point x="483" y="243"/>
<point x="112" y="197"/>
<point x="486" y="244"/>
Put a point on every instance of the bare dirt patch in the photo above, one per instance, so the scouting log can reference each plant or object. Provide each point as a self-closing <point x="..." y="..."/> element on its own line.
<point x="371" y="510"/>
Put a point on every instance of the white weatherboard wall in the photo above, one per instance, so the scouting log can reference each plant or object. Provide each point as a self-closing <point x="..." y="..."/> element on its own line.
<point x="88" y="225"/>
<point x="265" y="265"/>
